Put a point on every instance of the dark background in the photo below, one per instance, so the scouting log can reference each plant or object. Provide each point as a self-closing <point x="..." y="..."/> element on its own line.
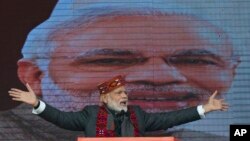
<point x="18" y="18"/>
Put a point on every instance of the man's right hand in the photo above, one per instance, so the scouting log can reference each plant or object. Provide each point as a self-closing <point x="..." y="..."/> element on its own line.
<point x="24" y="96"/>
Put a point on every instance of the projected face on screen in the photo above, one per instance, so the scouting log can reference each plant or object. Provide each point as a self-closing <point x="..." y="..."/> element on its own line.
<point x="169" y="61"/>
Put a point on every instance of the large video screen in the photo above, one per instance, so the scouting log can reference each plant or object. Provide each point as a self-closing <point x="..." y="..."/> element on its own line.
<point x="173" y="54"/>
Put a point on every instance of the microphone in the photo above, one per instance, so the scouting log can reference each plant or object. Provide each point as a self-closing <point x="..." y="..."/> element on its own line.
<point x="123" y="113"/>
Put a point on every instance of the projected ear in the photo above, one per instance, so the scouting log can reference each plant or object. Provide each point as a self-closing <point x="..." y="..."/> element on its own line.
<point x="29" y="72"/>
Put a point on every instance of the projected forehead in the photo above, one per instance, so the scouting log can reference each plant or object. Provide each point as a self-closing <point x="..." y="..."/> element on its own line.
<point x="161" y="32"/>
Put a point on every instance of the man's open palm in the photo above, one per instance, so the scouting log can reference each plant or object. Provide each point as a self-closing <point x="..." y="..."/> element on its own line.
<point x="215" y="104"/>
<point x="28" y="97"/>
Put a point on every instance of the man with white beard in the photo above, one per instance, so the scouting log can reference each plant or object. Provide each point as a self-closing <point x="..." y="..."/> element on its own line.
<point x="114" y="118"/>
<point x="64" y="60"/>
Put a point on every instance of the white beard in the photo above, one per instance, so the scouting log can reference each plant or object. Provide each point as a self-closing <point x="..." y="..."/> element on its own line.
<point x="114" y="105"/>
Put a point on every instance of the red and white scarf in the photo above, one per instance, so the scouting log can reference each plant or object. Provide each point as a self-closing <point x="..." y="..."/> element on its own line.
<point x="129" y="126"/>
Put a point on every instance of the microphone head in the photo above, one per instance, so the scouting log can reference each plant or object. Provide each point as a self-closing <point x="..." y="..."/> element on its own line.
<point x="122" y="112"/>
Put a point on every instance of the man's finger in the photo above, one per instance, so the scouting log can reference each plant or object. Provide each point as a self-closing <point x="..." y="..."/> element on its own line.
<point x="224" y="107"/>
<point x="225" y="104"/>
<point x="29" y="88"/>
<point x="14" y="95"/>
<point x="16" y="99"/>
<point x="16" y="90"/>
<point x="214" y="94"/>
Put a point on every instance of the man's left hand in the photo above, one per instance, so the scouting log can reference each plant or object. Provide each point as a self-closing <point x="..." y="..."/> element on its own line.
<point x="214" y="104"/>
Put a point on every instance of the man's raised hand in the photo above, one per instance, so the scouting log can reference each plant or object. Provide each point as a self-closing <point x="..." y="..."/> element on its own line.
<point x="214" y="104"/>
<point x="28" y="97"/>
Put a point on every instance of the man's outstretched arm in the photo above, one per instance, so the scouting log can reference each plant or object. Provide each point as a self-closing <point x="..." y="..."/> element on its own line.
<point x="162" y="121"/>
<point x="67" y="120"/>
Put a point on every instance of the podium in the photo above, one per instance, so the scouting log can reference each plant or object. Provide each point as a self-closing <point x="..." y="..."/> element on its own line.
<point x="127" y="139"/>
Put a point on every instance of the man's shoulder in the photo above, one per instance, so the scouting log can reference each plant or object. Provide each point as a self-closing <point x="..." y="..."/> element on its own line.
<point x="91" y="107"/>
<point x="135" y="107"/>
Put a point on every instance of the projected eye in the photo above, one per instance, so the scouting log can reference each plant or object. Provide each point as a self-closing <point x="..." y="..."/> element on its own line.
<point x="192" y="61"/>
<point x="112" y="61"/>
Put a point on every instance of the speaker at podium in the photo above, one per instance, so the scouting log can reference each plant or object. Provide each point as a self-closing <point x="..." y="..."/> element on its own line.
<point x="127" y="139"/>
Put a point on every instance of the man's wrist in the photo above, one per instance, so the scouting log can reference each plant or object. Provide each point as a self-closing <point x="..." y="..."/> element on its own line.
<point x="41" y="107"/>
<point x="37" y="104"/>
<point x="206" y="108"/>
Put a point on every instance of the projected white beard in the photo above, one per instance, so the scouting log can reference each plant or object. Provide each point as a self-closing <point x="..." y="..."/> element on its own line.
<point x="114" y="105"/>
<point x="66" y="100"/>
